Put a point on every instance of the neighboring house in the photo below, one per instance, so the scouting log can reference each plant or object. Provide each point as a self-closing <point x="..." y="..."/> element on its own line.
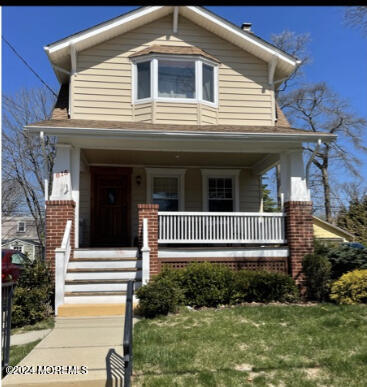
<point x="165" y="121"/>
<point x="327" y="232"/>
<point x="20" y="233"/>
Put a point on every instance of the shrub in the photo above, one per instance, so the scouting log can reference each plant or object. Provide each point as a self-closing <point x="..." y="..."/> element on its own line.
<point x="350" y="288"/>
<point x="263" y="286"/>
<point x="159" y="297"/>
<point x="317" y="268"/>
<point x="33" y="295"/>
<point x="206" y="284"/>
<point x="345" y="258"/>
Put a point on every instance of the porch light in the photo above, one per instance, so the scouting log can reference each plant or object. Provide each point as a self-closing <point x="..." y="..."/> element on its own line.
<point x="138" y="180"/>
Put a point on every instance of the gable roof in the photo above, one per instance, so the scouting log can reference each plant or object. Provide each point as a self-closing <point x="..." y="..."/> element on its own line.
<point x="335" y="229"/>
<point x="59" y="51"/>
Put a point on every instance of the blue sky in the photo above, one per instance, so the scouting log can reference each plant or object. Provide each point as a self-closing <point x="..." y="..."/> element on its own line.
<point x="339" y="52"/>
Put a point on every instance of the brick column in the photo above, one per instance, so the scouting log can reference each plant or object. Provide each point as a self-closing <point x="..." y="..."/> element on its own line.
<point x="299" y="231"/>
<point x="150" y="211"/>
<point x="57" y="213"/>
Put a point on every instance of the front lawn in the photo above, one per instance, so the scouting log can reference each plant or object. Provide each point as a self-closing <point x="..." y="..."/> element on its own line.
<point x="262" y="345"/>
<point x="47" y="323"/>
<point x="19" y="352"/>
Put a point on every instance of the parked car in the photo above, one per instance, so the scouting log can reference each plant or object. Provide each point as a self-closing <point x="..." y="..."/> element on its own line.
<point x="12" y="264"/>
<point x="355" y="245"/>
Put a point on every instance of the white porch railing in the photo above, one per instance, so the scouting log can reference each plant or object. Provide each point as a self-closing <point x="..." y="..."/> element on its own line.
<point x="221" y="227"/>
<point x="62" y="256"/>
<point x="145" y="252"/>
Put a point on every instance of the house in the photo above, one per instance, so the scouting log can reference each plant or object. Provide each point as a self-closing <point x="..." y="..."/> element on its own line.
<point x="165" y="121"/>
<point x="20" y="233"/>
<point x="327" y="232"/>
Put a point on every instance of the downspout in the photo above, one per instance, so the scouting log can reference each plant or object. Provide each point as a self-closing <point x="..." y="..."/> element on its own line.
<point x="45" y="164"/>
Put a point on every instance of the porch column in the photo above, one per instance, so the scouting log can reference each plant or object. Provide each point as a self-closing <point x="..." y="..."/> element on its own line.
<point x="298" y="210"/>
<point x="150" y="211"/>
<point x="60" y="207"/>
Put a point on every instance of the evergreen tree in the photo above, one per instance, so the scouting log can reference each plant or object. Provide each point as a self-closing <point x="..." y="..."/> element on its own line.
<point x="354" y="219"/>
<point x="269" y="205"/>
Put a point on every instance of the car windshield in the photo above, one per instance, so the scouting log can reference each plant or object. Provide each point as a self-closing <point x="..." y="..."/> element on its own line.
<point x="18" y="259"/>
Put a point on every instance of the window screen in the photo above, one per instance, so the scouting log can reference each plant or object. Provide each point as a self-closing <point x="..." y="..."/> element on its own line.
<point x="176" y="79"/>
<point x="143" y="70"/>
<point x="220" y="194"/>
<point x="208" y="83"/>
<point x="165" y="193"/>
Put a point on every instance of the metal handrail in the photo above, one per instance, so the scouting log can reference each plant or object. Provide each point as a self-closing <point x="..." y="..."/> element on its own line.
<point x="128" y="334"/>
<point x="6" y="302"/>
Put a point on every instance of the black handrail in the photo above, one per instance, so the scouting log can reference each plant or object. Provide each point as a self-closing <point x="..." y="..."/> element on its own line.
<point x="7" y="289"/>
<point x="128" y="334"/>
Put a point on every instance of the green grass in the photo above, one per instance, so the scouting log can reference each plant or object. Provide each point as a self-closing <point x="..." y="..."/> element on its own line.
<point x="278" y="345"/>
<point x="48" y="323"/>
<point x="19" y="352"/>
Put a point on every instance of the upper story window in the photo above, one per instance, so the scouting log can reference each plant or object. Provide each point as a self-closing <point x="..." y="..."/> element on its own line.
<point x="21" y="227"/>
<point x="175" y="78"/>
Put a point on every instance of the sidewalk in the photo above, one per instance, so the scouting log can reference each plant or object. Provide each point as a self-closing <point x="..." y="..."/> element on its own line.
<point x="28" y="337"/>
<point x="92" y="342"/>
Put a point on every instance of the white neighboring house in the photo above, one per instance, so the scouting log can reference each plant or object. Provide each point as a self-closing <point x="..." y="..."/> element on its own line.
<point x="19" y="233"/>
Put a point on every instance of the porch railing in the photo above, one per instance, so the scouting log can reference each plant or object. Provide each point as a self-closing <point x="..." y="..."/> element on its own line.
<point x="62" y="256"/>
<point x="6" y="304"/>
<point x="221" y="227"/>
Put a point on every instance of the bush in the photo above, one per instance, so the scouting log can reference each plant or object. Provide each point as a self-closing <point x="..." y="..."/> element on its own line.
<point x="263" y="286"/>
<point x="159" y="297"/>
<point x="317" y="269"/>
<point x="33" y="295"/>
<point x="345" y="258"/>
<point x="206" y="284"/>
<point x="350" y="288"/>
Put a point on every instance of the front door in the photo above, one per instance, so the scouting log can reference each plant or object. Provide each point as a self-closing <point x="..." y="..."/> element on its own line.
<point x="110" y="206"/>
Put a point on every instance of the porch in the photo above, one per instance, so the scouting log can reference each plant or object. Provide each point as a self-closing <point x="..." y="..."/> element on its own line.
<point x="135" y="207"/>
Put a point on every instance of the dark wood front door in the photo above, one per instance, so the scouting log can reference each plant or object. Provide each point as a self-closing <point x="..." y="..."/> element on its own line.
<point x="110" y="206"/>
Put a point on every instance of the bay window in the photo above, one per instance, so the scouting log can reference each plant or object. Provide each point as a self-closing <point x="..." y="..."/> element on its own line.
<point x="175" y="79"/>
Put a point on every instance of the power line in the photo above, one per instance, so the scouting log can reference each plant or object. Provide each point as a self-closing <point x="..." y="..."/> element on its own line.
<point x="30" y="68"/>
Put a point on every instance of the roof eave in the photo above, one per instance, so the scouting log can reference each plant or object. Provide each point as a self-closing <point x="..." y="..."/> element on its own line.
<point x="293" y="137"/>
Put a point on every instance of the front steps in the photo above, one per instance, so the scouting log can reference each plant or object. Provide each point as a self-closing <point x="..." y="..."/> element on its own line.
<point x="96" y="281"/>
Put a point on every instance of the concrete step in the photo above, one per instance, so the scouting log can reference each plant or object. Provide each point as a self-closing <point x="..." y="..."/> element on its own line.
<point x="107" y="253"/>
<point x="97" y="263"/>
<point x="90" y="309"/>
<point x="91" y="293"/>
<point x="98" y="285"/>
<point x="102" y="274"/>
<point x="95" y="299"/>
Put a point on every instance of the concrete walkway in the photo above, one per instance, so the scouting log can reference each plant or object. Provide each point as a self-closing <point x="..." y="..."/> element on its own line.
<point x="92" y="342"/>
<point x="28" y="337"/>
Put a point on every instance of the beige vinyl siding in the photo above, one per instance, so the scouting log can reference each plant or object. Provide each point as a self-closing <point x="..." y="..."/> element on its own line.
<point x="84" y="209"/>
<point x="143" y="112"/>
<point x="250" y="193"/>
<point x="193" y="193"/>
<point x="102" y="86"/>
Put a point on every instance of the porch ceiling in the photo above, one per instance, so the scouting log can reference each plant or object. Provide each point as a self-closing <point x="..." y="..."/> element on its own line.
<point x="159" y="158"/>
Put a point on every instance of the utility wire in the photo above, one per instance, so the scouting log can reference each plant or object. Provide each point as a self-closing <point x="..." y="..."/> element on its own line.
<point x="30" y="68"/>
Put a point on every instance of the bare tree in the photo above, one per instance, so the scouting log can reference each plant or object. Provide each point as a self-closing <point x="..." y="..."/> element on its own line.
<point x="24" y="160"/>
<point x="11" y="198"/>
<point x="295" y="45"/>
<point x="356" y="17"/>
<point x="316" y="108"/>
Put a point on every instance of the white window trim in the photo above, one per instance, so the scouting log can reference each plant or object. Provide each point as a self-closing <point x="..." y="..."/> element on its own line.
<point x="234" y="174"/>
<point x="25" y="226"/>
<point x="12" y="247"/>
<point x="199" y="60"/>
<point x="166" y="172"/>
